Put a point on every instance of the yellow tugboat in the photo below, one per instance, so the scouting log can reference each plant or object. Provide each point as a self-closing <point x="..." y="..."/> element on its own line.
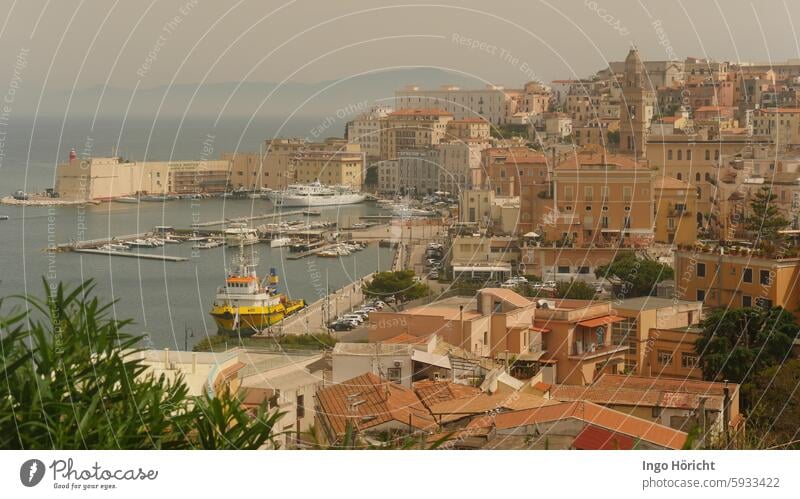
<point x="245" y="306"/>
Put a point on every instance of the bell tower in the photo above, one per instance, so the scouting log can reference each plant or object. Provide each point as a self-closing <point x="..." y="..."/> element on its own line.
<point x="636" y="108"/>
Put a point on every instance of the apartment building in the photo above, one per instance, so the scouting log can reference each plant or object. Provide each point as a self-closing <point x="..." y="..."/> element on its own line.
<point x="600" y="199"/>
<point x="675" y="206"/>
<point x="781" y="125"/>
<point x="459" y="161"/>
<point x="365" y="131"/>
<point x="696" y="158"/>
<point x="418" y="171"/>
<point x="727" y="278"/>
<point x="414" y="129"/>
<point x="468" y="129"/>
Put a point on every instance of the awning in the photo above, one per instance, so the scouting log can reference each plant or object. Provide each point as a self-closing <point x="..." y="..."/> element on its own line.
<point x="601" y="321"/>
<point x="540" y="329"/>
<point x="531" y="234"/>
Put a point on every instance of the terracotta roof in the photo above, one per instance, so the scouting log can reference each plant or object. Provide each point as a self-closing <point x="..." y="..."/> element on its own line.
<point x="596" y="438"/>
<point x="592" y="414"/>
<point x="421" y="112"/>
<point x="483" y="403"/>
<point x="369" y="401"/>
<point x="668" y="119"/>
<point x="434" y="392"/>
<point x="664" y="384"/>
<point x="542" y="386"/>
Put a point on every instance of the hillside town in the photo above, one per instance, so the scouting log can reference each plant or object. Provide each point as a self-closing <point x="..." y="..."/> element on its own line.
<point x="609" y="262"/>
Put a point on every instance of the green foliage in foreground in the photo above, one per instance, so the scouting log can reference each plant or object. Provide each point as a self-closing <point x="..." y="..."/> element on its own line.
<point x="738" y="343"/>
<point x="70" y="381"/>
<point x="400" y="284"/>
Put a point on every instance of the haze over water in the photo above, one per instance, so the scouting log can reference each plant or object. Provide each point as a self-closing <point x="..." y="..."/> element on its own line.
<point x="163" y="298"/>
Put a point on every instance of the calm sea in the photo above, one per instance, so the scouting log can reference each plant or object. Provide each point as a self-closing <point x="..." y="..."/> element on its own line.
<point x="164" y="299"/>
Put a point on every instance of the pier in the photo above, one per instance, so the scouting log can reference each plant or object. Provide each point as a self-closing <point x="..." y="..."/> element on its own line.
<point x="263" y="216"/>
<point x="144" y="256"/>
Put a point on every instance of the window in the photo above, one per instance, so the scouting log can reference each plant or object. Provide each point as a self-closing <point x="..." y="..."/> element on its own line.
<point x="688" y="154"/>
<point x="588" y="193"/>
<point x="697" y="176"/>
<point x="583" y="270"/>
<point x="680" y="155"/>
<point x="394" y="374"/>
<point x="669" y="154"/>
<point x="763" y="303"/>
<point x="764" y="277"/>
<point x="486" y="337"/>
<point x="664" y="357"/>
<point x="301" y="407"/>
<point x="563" y="269"/>
<point x="701" y="295"/>
<point x="689" y="361"/>
<point x="708" y="155"/>
<point x="747" y="275"/>
<point x="626" y="193"/>
<point x="624" y="333"/>
<point x="568" y="193"/>
<point x="701" y="270"/>
<point x="747" y="301"/>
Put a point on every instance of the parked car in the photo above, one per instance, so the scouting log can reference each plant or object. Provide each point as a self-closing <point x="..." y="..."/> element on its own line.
<point x="353" y="317"/>
<point x="342" y="326"/>
<point x="434" y="275"/>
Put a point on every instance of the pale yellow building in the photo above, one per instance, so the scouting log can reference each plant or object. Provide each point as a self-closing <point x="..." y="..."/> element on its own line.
<point x="412" y="130"/>
<point x="109" y="178"/>
<point x="675" y="206"/>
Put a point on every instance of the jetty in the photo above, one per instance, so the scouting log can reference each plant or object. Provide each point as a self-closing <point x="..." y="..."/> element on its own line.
<point x="144" y="256"/>
<point x="263" y="216"/>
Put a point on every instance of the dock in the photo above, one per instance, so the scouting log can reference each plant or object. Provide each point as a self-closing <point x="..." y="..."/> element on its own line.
<point x="144" y="256"/>
<point x="263" y="216"/>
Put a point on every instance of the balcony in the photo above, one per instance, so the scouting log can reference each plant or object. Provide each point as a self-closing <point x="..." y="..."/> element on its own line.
<point x="580" y="351"/>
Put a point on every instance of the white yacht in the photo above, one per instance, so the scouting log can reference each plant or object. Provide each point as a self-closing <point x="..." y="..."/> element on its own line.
<point x="240" y="232"/>
<point x="316" y="194"/>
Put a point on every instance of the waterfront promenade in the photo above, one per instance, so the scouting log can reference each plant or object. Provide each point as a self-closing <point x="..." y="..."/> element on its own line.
<point x="315" y="317"/>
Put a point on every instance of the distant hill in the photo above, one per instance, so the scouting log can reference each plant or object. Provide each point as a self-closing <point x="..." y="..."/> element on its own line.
<point x="324" y="98"/>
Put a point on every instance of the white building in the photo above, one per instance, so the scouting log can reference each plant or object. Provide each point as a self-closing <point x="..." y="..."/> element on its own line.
<point x="365" y="130"/>
<point x="493" y="103"/>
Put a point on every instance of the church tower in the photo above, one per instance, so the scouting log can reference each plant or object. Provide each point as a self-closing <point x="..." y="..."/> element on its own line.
<point x="636" y="108"/>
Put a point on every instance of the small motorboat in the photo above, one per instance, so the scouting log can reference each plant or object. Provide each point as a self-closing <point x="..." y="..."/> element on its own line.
<point x="280" y="242"/>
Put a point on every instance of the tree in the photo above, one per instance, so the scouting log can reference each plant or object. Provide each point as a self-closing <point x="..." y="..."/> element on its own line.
<point x="71" y="380"/>
<point x="400" y="284"/>
<point x="639" y="276"/>
<point x="737" y="343"/>
<point x="775" y="393"/>
<point x="576" y="290"/>
<point x="766" y="220"/>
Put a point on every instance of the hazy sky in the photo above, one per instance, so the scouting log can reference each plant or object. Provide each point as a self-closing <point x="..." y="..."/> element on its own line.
<point x="90" y="42"/>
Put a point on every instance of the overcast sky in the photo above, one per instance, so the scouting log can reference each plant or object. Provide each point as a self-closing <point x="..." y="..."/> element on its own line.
<point x="91" y="42"/>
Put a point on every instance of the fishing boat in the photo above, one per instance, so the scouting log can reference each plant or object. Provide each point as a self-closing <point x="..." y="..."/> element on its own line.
<point x="316" y="194"/>
<point x="246" y="305"/>
<point x="238" y="232"/>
